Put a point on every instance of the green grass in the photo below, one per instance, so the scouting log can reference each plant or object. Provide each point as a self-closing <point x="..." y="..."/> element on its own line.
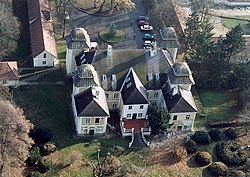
<point x="104" y="35"/>
<point x="219" y="105"/>
<point x="61" y="52"/>
<point x="231" y="23"/>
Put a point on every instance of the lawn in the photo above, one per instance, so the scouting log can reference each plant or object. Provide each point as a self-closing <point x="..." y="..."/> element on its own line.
<point x="220" y="105"/>
<point x="244" y="21"/>
<point x="61" y="52"/>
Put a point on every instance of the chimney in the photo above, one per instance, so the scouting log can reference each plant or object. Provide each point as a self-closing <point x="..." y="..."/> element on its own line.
<point x="113" y="82"/>
<point x="109" y="50"/>
<point x="104" y="82"/>
<point x="153" y="49"/>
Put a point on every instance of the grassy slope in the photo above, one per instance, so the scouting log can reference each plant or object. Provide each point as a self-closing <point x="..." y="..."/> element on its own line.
<point x="219" y="105"/>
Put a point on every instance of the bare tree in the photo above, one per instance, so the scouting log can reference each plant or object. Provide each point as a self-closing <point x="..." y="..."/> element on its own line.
<point x="14" y="139"/>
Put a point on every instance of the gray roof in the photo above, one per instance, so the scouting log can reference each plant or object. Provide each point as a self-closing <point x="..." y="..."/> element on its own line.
<point x="78" y="38"/>
<point x="181" y="101"/>
<point x="133" y="91"/>
<point x="91" y="102"/>
<point x="85" y="76"/>
<point x="140" y="60"/>
<point x="181" y="74"/>
<point x="169" y="38"/>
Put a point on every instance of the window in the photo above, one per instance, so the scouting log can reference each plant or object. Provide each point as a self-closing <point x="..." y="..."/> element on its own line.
<point x="128" y="115"/>
<point x="130" y="107"/>
<point x="187" y="116"/>
<point x="107" y="95"/>
<point x="44" y="62"/>
<point x="140" y="115"/>
<point x="115" y="95"/>
<point x="156" y="94"/>
<point x="114" y="105"/>
<point x="87" y="120"/>
<point x="141" y="106"/>
<point x="175" y="117"/>
<point x="97" y="120"/>
<point x="44" y="55"/>
<point x="153" y="103"/>
<point x="4" y="82"/>
<point x="104" y="77"/>
<point x="185" y="127"/>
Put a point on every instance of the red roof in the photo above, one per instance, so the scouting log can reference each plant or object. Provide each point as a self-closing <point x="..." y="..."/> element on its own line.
<point x="137" y="124"/>
<point x="8" y="71"/>
<point x="41" y="29"/>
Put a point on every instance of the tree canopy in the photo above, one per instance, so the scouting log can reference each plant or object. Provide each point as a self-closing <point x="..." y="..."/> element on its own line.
<point x="14" y="139"/>
<point x="158" y="120"/>
<point x="9" y="29"/>
<point x="209" y="60"/>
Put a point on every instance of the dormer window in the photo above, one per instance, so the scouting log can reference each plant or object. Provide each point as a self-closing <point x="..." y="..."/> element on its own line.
<point x="149" y="76"/>
<point x="157" y="76"/>
<point x="104" y="77"/>
<point x="44" y="55"/>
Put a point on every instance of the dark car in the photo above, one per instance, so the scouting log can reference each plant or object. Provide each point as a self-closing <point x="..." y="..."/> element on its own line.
<point x="142" y="22"/>
<point x="148" y="36"/>
<point x="142" y="18"/>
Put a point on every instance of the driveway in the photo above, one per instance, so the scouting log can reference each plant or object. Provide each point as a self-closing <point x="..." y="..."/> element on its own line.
<point x="123" y="21"/>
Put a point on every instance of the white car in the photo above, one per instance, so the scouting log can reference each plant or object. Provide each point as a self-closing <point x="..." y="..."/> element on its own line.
<point x="146" y="28"/>
<point x="147" y="44"/>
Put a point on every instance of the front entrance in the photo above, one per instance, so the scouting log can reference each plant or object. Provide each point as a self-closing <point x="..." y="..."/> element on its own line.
<point x="91" y="132"/>
<point x="179" y="128"/>
<point x="134" y="116"/>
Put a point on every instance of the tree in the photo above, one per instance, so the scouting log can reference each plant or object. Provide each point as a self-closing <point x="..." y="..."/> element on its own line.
<point x="14" y="139"/>
<point x="112" y="29"/>
<point x="9" y="29"/>
<point x="209" y="60"/>
<point x="158" y="120"/>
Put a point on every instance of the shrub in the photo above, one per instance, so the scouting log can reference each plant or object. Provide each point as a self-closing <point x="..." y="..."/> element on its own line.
<point x="179" y="153"/>
<point x="111" y="164"/>
<point x="48" y="148"/>
<point x="237" y="173"/>
<point x="203" y="158"/>
<point x="218" y="169"/>
<point x="34" y="155"/>
<point x="215" y="134"/>
<point x="234" y="133"/>
<point x="191" y="147"/>
<point x="201" y="137"/>
<point x="34" y="174"/>
<point x="231" y="153"/>
<point x="41" y="135"/>
<point x="45" y="164"/>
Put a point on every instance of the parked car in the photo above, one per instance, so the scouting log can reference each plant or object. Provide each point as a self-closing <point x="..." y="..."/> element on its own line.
<point x="146" y="28"/>
<point x="148" y="36"/>
<point x="147" y="44"/>
<point x="142" y="22"/>
<point x="142" y="18"/>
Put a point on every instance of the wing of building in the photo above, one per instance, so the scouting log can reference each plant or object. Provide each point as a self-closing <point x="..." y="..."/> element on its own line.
<point x="131" y="80"/>
<point x="9" y="74"/>
<point x="43" y="45"/>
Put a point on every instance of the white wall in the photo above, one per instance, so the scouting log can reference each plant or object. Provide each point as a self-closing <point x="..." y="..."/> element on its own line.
<point x="181" y="120"/>
<point x="38" y="60"/>
<point x="135" y="109"/>
<point x="69" y="60"/>
<point x="9" y="83"/>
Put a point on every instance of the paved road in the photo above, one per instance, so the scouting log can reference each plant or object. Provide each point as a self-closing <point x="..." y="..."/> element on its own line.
<point x="93" y="24"/>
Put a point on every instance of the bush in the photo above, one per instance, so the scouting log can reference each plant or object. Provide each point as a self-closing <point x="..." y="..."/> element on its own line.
<point x="41" y="135"/>
<point x="34" y="174"/>
<point x="45" y="164"/>
<point x="203" y="158"/>
<point x="218" y="169"/>
<point x="34" y="155"/>
<point x="237" y="173"/>
<point x="201" y="137"/>
<point x="191" y="147"/>
<point x="234" y="133"/>
<point x="231" y="153"/>
<point x="179" y="153"/>
<point x="111" y="164"/>
<point x="215" y="134"/>
<point x="48" y="148"/>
